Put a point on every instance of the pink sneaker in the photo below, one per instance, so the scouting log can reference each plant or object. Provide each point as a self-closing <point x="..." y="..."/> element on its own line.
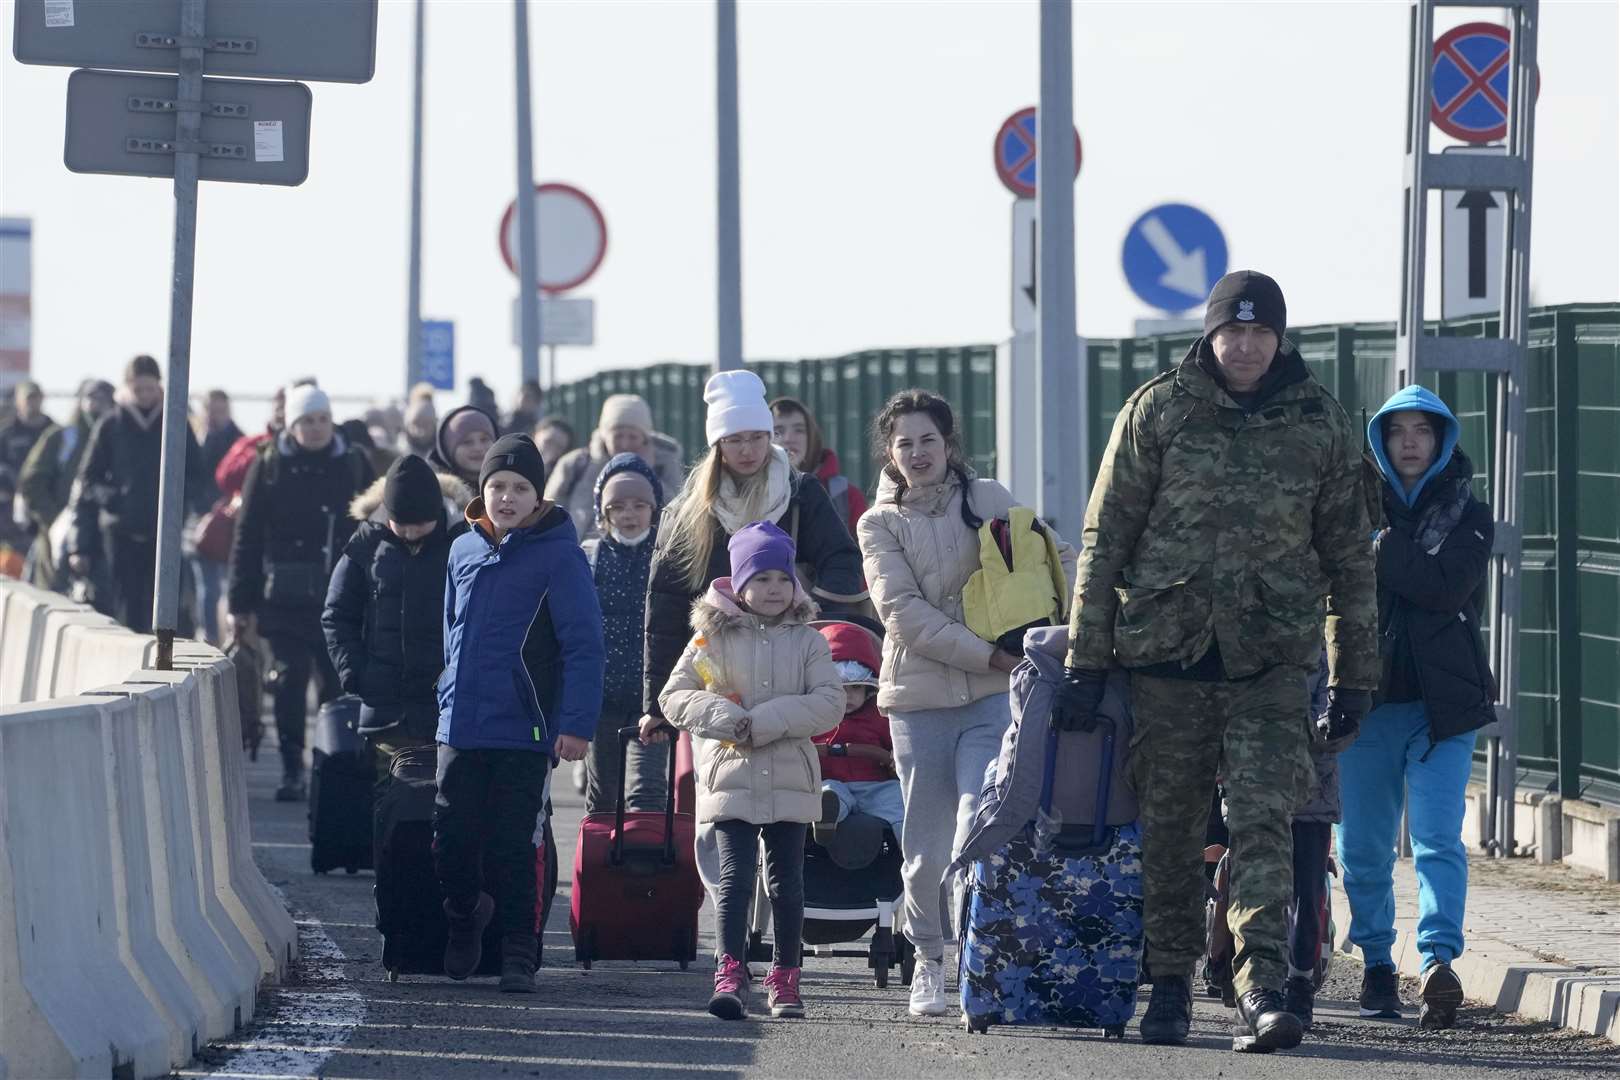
<point x="730" y="998"/>
<point x="782" y="991"/>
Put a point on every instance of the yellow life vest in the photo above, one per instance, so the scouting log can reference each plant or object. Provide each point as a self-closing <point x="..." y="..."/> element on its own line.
<point x="997" y="599"/>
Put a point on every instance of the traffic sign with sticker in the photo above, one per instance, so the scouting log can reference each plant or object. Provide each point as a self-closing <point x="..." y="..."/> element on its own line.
<point x="1015" y="153"/>
<point x="1469" y="82"/>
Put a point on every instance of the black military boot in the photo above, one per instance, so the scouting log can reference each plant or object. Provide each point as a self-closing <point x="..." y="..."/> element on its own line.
<point x="1264" y="1024"/>
<point x="1169" y="1011"/>
<point x="1299" y="998"/>
<point x="464" y="948"/>
<point x="518" y="952"/>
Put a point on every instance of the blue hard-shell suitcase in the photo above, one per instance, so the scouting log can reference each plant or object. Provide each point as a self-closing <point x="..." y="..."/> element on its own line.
<point x="1052" y="920"/>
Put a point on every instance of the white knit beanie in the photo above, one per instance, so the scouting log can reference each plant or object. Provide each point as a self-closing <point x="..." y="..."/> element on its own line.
<point x="625" y="410"/>
<point x="304" y="400"/>
<point x="736" y="401"/>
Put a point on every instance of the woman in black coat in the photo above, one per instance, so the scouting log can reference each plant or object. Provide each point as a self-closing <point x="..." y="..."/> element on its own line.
<point x="384" y="616"/>
<point x="741" y="480"/>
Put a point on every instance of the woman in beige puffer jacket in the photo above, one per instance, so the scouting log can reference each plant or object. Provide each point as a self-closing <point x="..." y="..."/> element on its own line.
<point x="944" y="687"/>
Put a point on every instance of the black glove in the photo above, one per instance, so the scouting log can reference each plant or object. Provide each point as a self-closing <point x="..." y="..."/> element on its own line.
<point x="1339" y="726"/>
<point x="1075" y="706"/>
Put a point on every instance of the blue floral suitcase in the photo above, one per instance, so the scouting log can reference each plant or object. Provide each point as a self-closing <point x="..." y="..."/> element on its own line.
<point x="1052" y="920"/>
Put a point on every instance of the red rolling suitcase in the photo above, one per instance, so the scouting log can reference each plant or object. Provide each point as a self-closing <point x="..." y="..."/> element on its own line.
<point x="636" y="890"/>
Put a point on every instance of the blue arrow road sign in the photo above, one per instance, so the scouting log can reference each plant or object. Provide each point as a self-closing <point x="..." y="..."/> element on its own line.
<point x="1173" y="255"/>
<point x="439" y="353"/>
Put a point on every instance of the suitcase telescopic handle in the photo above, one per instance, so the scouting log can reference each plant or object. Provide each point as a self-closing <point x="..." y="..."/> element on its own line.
<point x="1105" y="779"/>
<point x="625" y="735"/>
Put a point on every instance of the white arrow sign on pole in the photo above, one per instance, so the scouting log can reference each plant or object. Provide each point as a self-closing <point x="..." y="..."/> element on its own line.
<point x="1471" y="243"/>
<point x="1185" y="271"/>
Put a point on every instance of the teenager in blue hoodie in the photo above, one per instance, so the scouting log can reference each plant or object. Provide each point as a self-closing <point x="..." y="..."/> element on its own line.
<point x="1435" y="693"/>
<point x="629" y="498"/>
<point x="522" y="685"/>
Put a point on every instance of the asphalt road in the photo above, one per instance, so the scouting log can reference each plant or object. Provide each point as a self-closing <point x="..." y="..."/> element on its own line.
<point x="339" y="1017"/>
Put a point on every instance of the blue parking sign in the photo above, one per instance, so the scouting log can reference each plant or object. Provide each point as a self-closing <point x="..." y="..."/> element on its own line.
<point x="439" y="353"/>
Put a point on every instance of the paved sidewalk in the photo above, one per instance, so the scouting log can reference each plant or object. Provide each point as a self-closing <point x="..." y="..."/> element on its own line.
<point x="1541" y="941"/>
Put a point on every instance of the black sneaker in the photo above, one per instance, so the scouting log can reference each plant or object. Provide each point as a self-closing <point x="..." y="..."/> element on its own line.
<point x="1442" y="996"/>
<point x="822" y="831"/>
<point x="518" y="955"/>
<point x="1169" y="1011"/>
<point x="1299" y="998"/>
<point x="1380" y="993"/>
<point x="1264" y="1024"/>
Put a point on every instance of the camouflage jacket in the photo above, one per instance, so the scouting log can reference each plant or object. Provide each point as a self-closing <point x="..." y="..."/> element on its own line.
<point x="1211" y="524"/>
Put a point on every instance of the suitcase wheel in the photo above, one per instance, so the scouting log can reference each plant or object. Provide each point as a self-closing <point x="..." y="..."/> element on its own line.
<point x="975" y="1025"/>
<point x="351" y="869"/>
<point x="393" y="975"/>
<point x="585" y="948"/>
<point x="1114" y="1031"/>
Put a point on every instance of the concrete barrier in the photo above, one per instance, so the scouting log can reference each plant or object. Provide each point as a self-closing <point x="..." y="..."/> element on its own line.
<point x="22" y="632"/>
<point x="134" y="924"/>
<point x="71" y="1002"/>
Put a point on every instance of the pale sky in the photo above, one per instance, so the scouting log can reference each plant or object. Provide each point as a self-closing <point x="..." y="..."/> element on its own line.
<point x="871" y="213"/>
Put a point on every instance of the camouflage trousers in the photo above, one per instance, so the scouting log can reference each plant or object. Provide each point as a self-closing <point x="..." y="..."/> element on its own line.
<point x="1252" y="735"/>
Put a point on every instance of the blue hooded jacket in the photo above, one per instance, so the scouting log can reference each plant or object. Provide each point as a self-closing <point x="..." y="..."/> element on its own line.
<point x="522" y="637"/>
<point x="621" y="572"/>
<point x="1406" y="399"/>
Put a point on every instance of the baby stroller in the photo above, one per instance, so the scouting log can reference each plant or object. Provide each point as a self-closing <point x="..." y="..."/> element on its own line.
<point x="852" y="883"/>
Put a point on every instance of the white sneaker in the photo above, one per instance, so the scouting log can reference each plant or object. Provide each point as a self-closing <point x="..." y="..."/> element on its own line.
<point x="928" y="988"/>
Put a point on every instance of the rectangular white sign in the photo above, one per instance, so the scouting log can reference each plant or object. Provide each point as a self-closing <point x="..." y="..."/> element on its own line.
<point x="1472" y="236"/>
<point x="564" y="320"/>
<point x="1025" y="313"/>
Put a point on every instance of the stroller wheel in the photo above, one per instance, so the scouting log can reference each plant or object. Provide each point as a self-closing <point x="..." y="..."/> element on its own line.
<point x="908" y="961"/>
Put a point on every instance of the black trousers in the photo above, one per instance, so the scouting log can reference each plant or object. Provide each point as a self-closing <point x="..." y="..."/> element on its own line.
<point x="298" y="653"/>
<point x="484" y="822"/>
<point x="738" y="842"/>
<point x="1311" y="841"/>
<point x="132" y="566"/>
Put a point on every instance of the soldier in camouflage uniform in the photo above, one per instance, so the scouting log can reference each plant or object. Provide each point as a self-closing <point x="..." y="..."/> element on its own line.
<point x="1226" y="535"/>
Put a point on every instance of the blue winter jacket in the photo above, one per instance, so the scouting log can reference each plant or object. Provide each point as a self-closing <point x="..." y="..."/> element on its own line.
<point x="522" y="637"/>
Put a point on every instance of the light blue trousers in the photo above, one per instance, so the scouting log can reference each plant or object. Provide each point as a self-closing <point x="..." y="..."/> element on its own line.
<point x="1392" y="754"/>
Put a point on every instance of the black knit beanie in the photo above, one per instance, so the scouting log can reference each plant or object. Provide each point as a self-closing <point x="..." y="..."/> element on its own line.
<point x="1246" y="296"/>
<point x="411" y="492"/>
<point x="514" y="453"/>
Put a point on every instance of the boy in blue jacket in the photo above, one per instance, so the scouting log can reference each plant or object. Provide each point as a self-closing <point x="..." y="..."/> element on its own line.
<point x="522" y="685"/>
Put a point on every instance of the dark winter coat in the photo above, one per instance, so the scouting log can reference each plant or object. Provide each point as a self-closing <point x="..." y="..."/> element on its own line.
<point x="18" y="438"/>
<point x="119" y="478"/>
<point x="215" y="445"/>
<point x="384" y="619"/>
<point x="292" y="529"/>
<point x="621" y="572"/>
<point x="1430" y="596"/>
<point x="522" y="637"/>
<point x="823" y="543"/>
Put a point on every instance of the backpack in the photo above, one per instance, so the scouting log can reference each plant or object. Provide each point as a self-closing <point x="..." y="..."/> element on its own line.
<point x="1019" y="584"/>
<point x="1013" y="795"/>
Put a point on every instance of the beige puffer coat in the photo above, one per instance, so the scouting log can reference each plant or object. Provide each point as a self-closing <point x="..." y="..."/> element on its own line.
<point x="572" y="484"/>
<point x="918" y="556"/>
<point x="788" y="691"/>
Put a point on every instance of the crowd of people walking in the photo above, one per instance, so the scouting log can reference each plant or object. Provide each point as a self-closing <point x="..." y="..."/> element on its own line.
<point x="1296" y="603"/>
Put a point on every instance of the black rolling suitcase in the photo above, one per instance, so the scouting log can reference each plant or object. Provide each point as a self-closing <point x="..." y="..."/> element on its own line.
<point x="341" y="782"/>
<point x="410" y="916"/>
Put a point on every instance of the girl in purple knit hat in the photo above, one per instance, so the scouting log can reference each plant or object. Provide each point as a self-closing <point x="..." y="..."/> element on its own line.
<point x="753" y="686"/>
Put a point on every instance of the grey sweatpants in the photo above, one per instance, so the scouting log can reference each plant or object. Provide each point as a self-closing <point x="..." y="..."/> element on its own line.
<point x="647" y="787"/>
<point x="940" y="755"/>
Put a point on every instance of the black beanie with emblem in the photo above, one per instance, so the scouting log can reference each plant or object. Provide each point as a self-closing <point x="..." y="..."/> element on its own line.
<point x="514" y="453"/>
<point x="1246" y="296"/>
<point x="411" y="492"/>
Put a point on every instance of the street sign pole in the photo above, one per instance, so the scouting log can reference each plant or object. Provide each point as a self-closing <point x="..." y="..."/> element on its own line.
<point x="1064" y="408"/>
<point x="172" y="475"/>
<point x="413" y="316"/>
<point x="728" y="194"/>
<point x="528" y="252"/>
